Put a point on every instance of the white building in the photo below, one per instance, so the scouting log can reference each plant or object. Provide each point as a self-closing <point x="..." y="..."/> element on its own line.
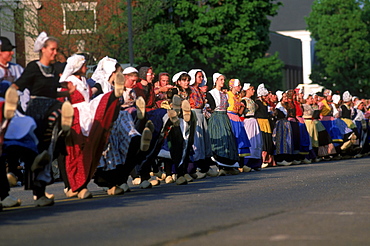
<point x="290" y="21"/>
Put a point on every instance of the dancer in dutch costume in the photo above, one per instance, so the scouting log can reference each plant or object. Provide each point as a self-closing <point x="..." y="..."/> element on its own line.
<point x="40" y="78"/>
<point x="233" y="111"/>
<point x="252" y="129"/>
<point x="224" y="147"/>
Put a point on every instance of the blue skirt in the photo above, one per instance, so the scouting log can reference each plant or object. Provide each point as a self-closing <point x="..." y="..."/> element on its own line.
<point x="223" y="141"/>
<point x="333" y="130"/>
<point x="240" y="134"/>
<point x="305" y="140"/>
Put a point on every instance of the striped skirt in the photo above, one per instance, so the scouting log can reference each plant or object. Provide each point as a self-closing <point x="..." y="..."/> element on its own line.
<point x="282" y="137"/>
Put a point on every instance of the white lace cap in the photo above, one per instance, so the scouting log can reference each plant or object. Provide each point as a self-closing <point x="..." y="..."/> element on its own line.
<point x="261" y="90"/>
<point x="192" y="74"/>
<point x="347" y="96"/>
<point x="129" y="70"/>
<point x="74" y="63"/>
<point x="40" y="41"/>
<point x="336" y="98"/>
<point x="279" y="95"/>
<point x="215" y="77"/>
<point x="176" y="77"/>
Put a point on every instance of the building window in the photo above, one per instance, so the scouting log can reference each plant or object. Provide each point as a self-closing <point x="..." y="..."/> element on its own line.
<point x="79" y="17"/>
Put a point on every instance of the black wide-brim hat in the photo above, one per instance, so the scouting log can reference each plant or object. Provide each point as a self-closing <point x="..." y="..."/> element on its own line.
<point x="6" y="45"/>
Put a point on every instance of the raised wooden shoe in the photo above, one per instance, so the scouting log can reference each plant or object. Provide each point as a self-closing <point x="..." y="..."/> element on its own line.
<point x="119" y="84"/>
<point x="11" y="102"/>
<point x="140" y="108"/>
<point x="172" y="115"/>
<point x="67" y="112"/>
<point x="186" y="110"/>
<point x="146" y="137"/>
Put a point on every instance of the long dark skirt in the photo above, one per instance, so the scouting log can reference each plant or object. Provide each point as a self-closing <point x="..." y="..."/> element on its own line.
<point x="222" y="138"/>
<point x="40" y="109"/>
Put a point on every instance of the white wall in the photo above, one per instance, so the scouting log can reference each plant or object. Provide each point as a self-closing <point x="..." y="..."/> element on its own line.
<point x="305" y="37"/>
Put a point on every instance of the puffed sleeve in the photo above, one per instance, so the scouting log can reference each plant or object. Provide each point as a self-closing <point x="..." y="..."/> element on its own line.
<point x="27" y="78"/>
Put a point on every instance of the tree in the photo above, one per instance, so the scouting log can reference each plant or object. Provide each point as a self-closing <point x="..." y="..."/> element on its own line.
<point x="343" y="50"/>
<point x="156" y="39"/>
<point x="230" y="37"/>
<point x="227" y="36"/>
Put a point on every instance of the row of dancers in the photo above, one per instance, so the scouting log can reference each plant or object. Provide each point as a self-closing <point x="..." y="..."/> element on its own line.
<point x="120" y="123"/>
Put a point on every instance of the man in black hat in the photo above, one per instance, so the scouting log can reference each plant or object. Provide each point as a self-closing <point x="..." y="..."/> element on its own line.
<point x="9" y="72"/>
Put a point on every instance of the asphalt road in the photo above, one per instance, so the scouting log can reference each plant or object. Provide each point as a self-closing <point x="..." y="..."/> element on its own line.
<point x="326" y="203"/>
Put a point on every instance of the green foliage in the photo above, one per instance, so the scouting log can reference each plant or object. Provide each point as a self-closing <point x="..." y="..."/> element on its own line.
<point x="343" y="50"/>
<point x="230" y="37"/>
<point x="226" y="36"/>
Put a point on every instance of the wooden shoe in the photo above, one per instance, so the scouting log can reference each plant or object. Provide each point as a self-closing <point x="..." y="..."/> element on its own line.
<point x="232" y="171"/>
<point x="11" y="102"/>
<point x="188" y="178"/>
<point x="346" y="145"/>
<point x="146" y="137"/>
<point x="246" y="169"/>
<point x="155" y="182"/>
<point x="136" y="181"/>
<point x="12" y="179"/>
<point x="201" y="175"/>
<point x="70" y="193"/>
<point x="222" y="172"/>
<point x="140" y="108"/>
<point x="40" y="161"/>
<point x="174" y="177"/>
<point x="67" y="112"/>
<point x="10" y="201"/>
<point x="284" y="163"/>
<point x="119" y="84"/>
<point x="150" y="125"/>
<point x="49" y="196"/>
<point x="43" y="201"/>
<point x="186" y="110"/>
<point x="169" y="180"/>
<point x="145" y="184"/>
<point x="176" y="103"/>
<point x="264" y="165"/>
<point x="84" y="194"/>
<point x="115" y="190"/>
<point x="193" y="175"/>
<point x="125" y="187"/>
<point x="158" y="175"/>
<point x="181" y="180"/>
<point x="212" y="173"/>
<point x="172" y="115"/>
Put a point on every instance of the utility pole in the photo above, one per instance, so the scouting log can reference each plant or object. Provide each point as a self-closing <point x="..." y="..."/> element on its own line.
<point x="130" y="41"/>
